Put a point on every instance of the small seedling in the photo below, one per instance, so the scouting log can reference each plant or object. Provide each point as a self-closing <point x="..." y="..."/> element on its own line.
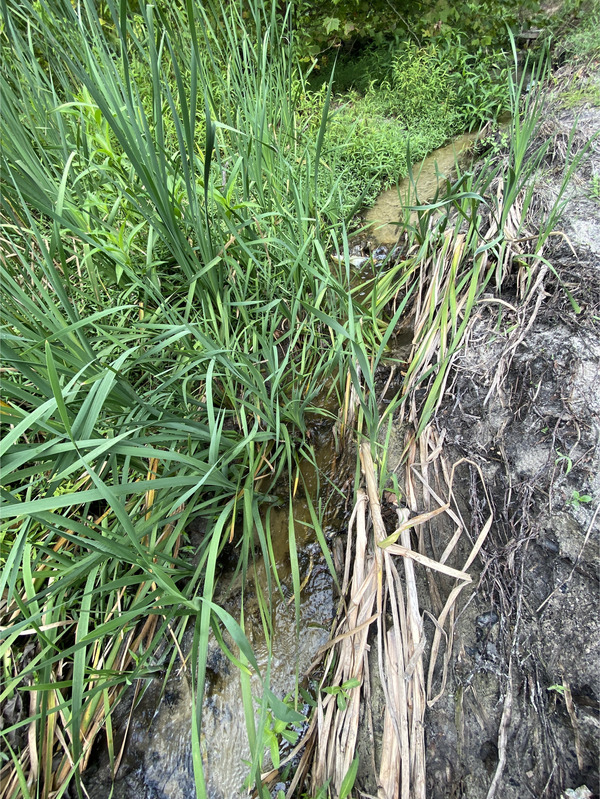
<point x="578" y="499"/>
<point x="560" y="689"/>
<point x="341" y="691"/>
<point x="561" y="458"/>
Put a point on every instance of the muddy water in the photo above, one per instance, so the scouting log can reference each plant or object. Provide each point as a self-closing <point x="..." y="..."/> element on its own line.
<point x="157" y="762"/>
<point x="388" y="211"/>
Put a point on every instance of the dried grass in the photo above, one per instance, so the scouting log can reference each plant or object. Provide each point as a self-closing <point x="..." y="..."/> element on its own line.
<point x="383" y="610"/>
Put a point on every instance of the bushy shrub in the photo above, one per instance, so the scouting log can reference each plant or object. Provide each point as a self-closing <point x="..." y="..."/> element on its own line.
<point x="477" y="77"/>
<point x="320" y="26"/>
<point x="445" y="86"/>
<point x="422" y="88"/>
<point x="483" y="23"/>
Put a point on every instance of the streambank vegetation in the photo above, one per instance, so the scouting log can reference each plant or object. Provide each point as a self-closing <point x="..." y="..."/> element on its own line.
<point x="179" y="301"/>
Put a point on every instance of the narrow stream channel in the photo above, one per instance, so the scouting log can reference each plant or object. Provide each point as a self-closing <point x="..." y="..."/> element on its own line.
<point x="157" y="760"/>
<point x="388" y="211"/>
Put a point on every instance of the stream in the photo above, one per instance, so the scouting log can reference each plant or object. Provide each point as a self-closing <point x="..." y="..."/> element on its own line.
<point x="157" y="761"/>
<point x="387" y="212"/>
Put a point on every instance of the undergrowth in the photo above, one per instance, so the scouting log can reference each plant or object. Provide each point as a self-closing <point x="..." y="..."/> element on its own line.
<point x="170" y="315"/>
<point x="408" y="97"/>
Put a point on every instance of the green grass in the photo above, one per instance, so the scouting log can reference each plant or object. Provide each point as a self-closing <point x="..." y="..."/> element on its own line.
<point x="170" y="315"/>
<point x="578" y="24"/>
<point x="404" y="99"/>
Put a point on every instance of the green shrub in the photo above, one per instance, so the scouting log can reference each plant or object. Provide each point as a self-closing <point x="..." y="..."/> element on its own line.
<point x="484" y="23"/>
<point x="422" y="88"/>
<point x="478" y="79"/>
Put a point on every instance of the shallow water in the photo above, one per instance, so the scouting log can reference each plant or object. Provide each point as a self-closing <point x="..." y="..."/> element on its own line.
<point x="158" y="757"/>
<point x="157" y="762"/>
<point x="434" y="169"/>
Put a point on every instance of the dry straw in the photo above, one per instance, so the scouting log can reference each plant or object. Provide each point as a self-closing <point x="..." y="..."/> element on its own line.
<point x="384" y="611"/>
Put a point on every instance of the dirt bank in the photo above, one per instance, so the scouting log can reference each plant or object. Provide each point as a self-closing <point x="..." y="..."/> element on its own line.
<point x="519" y="713"/>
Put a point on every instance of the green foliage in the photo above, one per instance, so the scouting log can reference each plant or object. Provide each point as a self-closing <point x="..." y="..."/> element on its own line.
<point x="422" y="87"/>
<point x="341" y="692"/>
<point x="563" y="459"/>
<point x="334" y="21"/>
<point x="349" y="779"/>
<point x="428" y="94"/>
<point x="586" y="91"/>
<point x="576" y="499"/>
<point x="449" y="85"/>
<point x="276" y="729"/>
<point x="357" y="68"/>
<point x="169" y="316"/>
<point x="560" y="689"/>
<point x="578" y="29"/>
<point x="484" y="22"/>
<point x="479" y="78"/>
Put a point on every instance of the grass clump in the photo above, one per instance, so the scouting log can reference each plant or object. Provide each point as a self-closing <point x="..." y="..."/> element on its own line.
<point x="169" y="315"/>
<point x="578" y="25"/>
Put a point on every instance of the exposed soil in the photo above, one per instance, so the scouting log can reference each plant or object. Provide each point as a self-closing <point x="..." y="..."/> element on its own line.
<point x="520" y="713"/>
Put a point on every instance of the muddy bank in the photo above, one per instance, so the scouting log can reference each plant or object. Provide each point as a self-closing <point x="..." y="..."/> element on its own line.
<point x="514" y="705"/>
<point x="526" y="648"/>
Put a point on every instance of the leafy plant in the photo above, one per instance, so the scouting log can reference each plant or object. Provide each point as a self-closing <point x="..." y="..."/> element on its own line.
<point x="576" y="499"/>
<point x="484" y="22"/>
<point x="422" y="86"/>
<point x="277" y="728"/>
<point x="560" y="689"/>
<point x="562" y="458"/>
<point x="341" y="692"/>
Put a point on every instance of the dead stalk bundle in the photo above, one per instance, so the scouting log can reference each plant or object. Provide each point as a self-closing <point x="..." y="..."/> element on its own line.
<point x="383" y="608"/>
